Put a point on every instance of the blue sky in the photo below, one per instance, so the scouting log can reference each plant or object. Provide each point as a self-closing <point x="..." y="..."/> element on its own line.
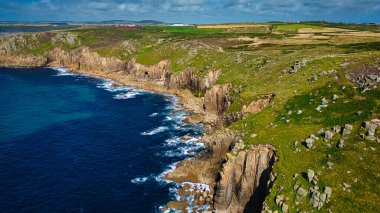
<point x="191" y="11"/>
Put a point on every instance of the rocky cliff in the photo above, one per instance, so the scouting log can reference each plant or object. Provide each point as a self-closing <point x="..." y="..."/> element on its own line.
<point x="153" y="72"/>
<point x="207" y="164"/>
<point x="217" y="99"/>
<point x="187" y="79"/>
<point x="83" y="58"/>
<point x="22" y="61"/>
<point x="243" y="180"/>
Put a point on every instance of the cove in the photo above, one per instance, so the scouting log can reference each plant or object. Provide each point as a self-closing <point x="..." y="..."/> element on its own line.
<point x="73" y="143"/>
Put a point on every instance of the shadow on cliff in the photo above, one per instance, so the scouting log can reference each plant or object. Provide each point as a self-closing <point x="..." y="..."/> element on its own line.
<point x="256" y="202"/>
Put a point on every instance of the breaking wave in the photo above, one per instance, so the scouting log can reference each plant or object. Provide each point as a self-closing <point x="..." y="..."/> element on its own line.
<point x="155" y="130"/>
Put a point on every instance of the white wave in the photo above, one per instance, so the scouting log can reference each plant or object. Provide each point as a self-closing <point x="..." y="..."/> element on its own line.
<point x="181" y="151"/>
<point x="127" y="95"/>
<point x="62" y="71"/>
<point x="139" y="180"/>
<point x="155" y="130"/>
<point x="161" y="177"/>
<point x="189" y="198"/>
<point x="193" y="141"/>
<point x="153" y="114"/>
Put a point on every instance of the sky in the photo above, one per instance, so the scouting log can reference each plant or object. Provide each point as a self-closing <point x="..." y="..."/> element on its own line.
<point x="192" y="11"/>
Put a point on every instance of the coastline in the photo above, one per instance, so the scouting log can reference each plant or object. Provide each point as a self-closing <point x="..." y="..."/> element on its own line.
<point x="191" y="105"/>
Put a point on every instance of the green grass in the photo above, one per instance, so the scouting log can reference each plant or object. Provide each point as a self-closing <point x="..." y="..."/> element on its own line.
<point x="293" y="28"/>
<point x="260" y="71"/>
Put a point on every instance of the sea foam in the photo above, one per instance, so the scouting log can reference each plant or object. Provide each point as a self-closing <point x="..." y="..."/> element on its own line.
<point x="155" y="130"/>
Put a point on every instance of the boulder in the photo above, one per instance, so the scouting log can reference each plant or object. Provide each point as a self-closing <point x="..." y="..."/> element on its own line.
<point x="301" y="192"/>
<point x="329" y="134"/>
<point x="310" y="175"/>
<point x="340" y="143"/>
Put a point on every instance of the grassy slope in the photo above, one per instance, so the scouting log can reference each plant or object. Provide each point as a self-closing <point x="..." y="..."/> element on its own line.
<point x="259" y="70"/>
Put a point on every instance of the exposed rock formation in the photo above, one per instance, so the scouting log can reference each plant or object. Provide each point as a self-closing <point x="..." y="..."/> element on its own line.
<point x="153" y="72"/>
<point x="204" y="167"/>
<point x="188" y="80"/>
<point x="257" y="105"/>
<point x="217" y="99"/>
<point x="244" y="178"/>
<point x="85" y="59"/>
<point x="22" y="61"/>
<point x="12" y="43"/>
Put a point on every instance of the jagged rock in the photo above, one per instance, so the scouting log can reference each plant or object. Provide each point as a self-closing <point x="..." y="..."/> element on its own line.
<point x="295" y="186"/>
<point x="207" y="164"/>
<point x="217" y="99"/>
<point x="328" y="191"/>
<point x="324" y="101"/>
<point x="372" y="129"/>
<point x="83" y="58"/>
<point x="329" y="165"/>
<point x="187" y="79"/>
<point x="279" y="199"/>
<point x="366" y="124"/>
<point x="244" y="180"/>
<point x="346" y="186"/>
<point x="310" y="175"/>
<point x="337" y="128"/>
<point x="371" y="137"/>
<point x="340" y="143"/>
<point x="309" y="143"/>
<point x="346" y="132"/>
<point x="157" y="71"/>
<point x="257" y="105"/>
<point x="329" y="134"/>
<point x="22" y="60"/>
<point x="347" y="129"/>
<point x="297" y="65"/>
<point x="314" y="137"/>
<point x="301" y="192"/>
<point x="284" y="207"/>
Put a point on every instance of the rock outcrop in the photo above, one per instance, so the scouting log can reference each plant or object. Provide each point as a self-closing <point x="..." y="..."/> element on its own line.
<point x="83" y="58"/>
<point x="217" y="99"/>
<point x="22" y="61"/>
<point x="257" y="105"/>
<point x="153" y="72"/>
<point x="206" y="165"/>
<point x="243" y="180"/>
<point x="187" y="79"/>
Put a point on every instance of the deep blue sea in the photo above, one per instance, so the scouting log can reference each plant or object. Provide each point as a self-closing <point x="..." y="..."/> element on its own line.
<point x="72" y="143"/>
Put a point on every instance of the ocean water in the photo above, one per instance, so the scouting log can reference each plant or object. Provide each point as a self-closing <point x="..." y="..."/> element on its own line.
<point x="72" y="143"/>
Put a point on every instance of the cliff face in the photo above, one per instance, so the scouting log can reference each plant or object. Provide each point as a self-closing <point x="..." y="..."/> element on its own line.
<point x="85" y="59"/>
<point x="257" y="105"/>
<point x="153" y="72"/>
<point x="217" y="99"/>
<point x="22" y="60"/>
<point x="188" y="80"/>
<point x="244" y="178"/>
<point x="206" y="166"/>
